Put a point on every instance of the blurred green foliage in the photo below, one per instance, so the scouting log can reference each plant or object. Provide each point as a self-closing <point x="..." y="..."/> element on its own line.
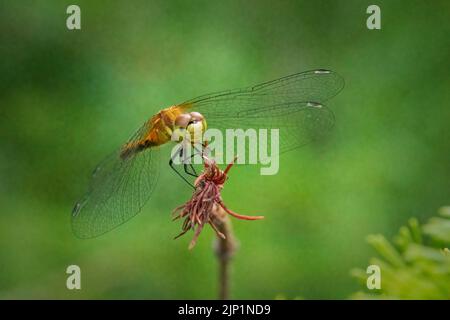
<point x="68" y="98"/>
<point x="417" y="267"/>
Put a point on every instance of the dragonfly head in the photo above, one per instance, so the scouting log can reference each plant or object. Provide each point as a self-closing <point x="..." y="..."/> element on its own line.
<point x="192" y="125"/>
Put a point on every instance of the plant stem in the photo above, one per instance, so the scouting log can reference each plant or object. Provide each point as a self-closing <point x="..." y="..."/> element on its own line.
<point x="224" y="249"/>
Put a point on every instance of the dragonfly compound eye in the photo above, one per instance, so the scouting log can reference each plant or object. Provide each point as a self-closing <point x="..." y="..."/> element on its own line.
<point x="196" y="127"/>
<point x="183" y="120"/>
<point x="197" y="116"/>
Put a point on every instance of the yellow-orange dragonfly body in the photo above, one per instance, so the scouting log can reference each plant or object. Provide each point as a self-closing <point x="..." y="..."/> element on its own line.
<point x="124" y="181"/>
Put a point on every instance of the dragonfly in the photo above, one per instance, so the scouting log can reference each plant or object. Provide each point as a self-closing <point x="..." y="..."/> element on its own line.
<point x="124" y="181"/>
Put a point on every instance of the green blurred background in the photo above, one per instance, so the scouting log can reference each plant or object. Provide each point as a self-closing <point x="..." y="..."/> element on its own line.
<point x="70" y="97"/>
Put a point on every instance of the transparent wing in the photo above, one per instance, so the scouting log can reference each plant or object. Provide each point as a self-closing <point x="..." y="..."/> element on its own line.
<point x="118" y="190"/>
<point x="292" y="104"/>
<point x="297" y="123"/>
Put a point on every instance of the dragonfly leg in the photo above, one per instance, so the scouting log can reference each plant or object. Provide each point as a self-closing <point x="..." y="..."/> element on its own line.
<point x="200" y="152"/>
<point x="186" y="166"/>
<point x="171" y="164"/>
<point x="193" y="170"/>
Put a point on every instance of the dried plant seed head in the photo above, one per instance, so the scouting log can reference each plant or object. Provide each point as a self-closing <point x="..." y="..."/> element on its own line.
<point x="206" y="202"/>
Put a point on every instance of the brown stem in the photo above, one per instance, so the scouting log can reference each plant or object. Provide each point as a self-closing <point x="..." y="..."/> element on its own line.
<point x="224" y="249"/>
